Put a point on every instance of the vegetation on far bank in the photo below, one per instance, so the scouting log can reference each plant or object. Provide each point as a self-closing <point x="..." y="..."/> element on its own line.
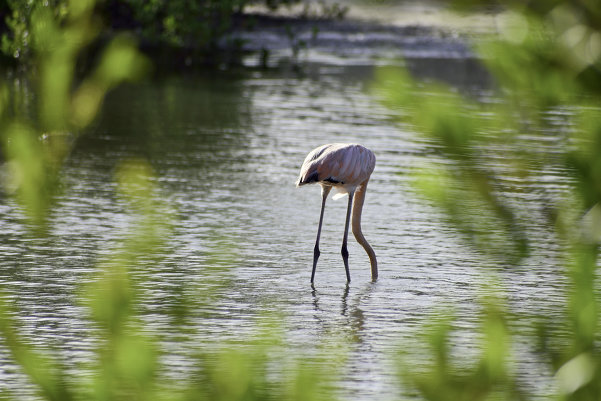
<point x="194" y="28"/>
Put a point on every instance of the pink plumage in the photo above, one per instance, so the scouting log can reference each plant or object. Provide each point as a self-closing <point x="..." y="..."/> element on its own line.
<point x="344" y="165"/>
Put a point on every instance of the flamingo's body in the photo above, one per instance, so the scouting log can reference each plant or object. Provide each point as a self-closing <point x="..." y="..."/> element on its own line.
<point x="346" y="167"/>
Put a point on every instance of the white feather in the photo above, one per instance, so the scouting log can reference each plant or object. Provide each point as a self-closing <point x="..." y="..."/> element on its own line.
<point x="340" y="192"/>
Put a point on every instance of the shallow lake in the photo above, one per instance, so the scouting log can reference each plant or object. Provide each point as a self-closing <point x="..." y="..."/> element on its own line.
<point x="226" y="147"/>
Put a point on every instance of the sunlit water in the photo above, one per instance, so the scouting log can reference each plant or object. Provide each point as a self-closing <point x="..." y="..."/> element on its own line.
<point x="226" y="148"/>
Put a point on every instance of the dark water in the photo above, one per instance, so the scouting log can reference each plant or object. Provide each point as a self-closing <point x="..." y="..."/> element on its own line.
<point x="226" y="148"/>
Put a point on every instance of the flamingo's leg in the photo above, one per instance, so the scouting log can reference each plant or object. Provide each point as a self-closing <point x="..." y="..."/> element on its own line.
<point x="325" y="190"/>
<point x="344" y="250"/>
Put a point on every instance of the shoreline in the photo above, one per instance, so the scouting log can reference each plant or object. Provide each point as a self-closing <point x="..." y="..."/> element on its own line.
<point x="367" y="34"/>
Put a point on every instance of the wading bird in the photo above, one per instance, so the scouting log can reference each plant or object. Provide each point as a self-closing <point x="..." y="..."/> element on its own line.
<point x="346" y="167"/>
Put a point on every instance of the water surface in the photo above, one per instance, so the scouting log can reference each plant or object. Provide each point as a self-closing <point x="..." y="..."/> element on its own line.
<point x="226" y="148"/>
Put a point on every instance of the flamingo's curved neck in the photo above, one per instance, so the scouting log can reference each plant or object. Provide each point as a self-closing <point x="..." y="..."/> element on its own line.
<point x="356" y="226"/>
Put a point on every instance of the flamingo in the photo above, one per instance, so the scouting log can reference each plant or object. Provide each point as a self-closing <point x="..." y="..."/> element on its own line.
<point x="347" y="168"/>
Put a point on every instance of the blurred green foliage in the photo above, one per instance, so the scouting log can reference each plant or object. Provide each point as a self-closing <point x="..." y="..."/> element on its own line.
<point x="127" y="360"/>
<point x="442" y="375"/>
<point x="545" y="58"/>
<point x="35" y="148"/>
